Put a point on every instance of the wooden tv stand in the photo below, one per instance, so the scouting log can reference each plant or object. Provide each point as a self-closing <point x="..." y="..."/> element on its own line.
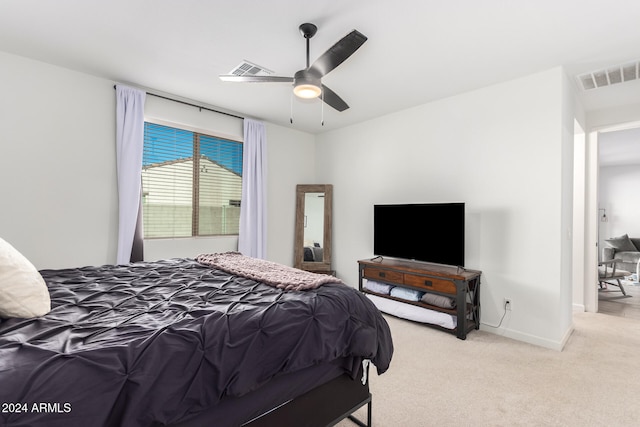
<point x="453" y="282"/>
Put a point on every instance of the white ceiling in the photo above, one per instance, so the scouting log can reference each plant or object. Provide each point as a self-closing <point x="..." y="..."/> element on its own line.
<point x="418" y="51"/>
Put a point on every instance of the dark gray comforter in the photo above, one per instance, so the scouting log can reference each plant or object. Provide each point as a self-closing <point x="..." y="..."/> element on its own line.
<point x="149" y="343"/>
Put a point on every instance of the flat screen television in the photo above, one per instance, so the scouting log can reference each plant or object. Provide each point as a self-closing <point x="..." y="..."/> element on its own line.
<point x="431" y="232"/>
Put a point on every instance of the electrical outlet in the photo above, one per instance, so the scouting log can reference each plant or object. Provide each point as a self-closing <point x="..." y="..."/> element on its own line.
<point x="507" y="304"/>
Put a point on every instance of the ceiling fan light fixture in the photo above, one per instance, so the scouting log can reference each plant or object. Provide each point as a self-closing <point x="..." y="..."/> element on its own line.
<point x="307" y="91"/>
<point x="306" y="85"/>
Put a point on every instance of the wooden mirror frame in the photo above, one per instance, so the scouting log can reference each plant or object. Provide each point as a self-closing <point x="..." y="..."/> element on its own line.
<point x="298" y="253"/>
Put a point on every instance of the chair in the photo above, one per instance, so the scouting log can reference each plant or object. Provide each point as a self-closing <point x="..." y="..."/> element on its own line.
<point x="608" y="274"/>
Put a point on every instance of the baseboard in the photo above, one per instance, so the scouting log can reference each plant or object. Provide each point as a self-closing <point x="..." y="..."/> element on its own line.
<point x="579" y="308"/>
<point x="567" y="335"/>
<point x="531" y="339"/>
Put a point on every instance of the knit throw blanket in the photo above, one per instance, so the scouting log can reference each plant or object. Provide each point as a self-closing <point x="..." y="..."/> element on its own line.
<point x="271" y="273"/>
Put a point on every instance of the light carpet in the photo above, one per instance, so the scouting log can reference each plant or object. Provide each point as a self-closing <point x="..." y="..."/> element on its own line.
<point x="436" y="379"/>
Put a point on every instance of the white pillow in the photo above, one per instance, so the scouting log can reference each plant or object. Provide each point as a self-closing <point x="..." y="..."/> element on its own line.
<point x="23" y="292"/>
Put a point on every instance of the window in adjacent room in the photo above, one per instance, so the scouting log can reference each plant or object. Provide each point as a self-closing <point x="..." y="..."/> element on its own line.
<point x="191" y="183"/>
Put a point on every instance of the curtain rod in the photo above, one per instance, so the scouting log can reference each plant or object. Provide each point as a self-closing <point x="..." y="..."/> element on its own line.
<point x="191" y="105"/>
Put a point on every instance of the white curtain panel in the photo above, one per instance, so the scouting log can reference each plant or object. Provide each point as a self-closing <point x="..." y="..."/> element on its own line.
<point x="129" y="144"/>
<point x="252" y="240"/>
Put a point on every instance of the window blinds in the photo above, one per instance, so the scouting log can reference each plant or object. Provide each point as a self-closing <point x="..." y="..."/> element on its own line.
<point x="191" y="183"/>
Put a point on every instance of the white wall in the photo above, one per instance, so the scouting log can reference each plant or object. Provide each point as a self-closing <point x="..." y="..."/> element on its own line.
<point x="57" y="164"/>
<point x="570" y="110"/>
<point x="291" y="162"/>
<point x="502" y="150"/>
<point x="608" y="117"/>
<point x="579" y="218"/>
<point x="58" y="195"/>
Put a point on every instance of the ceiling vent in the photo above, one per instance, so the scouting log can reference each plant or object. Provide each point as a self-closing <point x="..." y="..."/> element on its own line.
<point x="610" y="76"/>
<point x="247" y="68"/>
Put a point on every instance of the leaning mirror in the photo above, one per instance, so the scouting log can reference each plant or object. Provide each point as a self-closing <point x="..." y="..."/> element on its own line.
<point x="312" y="250"/>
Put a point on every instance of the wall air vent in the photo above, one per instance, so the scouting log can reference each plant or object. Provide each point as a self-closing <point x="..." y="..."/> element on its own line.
<point x="610" y="76"/>
<point x="247" y="68"/>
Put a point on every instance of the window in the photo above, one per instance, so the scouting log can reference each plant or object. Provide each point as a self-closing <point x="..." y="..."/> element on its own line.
<point x="191" y="183"/>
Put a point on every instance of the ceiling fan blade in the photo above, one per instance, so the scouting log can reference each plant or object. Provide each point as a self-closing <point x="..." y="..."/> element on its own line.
<point x="255" y="79"/>
<point x="332" y="99"/>
<point x="338" y="53"/>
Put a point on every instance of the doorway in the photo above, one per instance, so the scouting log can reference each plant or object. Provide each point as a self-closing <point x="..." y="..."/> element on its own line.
<point x="618" y="178"/>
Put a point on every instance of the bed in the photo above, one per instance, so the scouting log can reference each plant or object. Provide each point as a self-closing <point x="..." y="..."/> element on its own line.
<point x="182" y="342"/>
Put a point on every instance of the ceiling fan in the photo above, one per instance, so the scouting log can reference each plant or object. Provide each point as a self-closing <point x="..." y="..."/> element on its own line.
<point x="307" y="83"/>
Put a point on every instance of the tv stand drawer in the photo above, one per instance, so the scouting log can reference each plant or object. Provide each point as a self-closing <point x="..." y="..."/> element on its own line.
<point x="430" y="283"/>
<point x="383" y="275"/>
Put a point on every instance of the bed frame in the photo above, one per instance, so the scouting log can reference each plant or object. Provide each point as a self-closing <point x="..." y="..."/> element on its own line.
<point x="291" y="400"/>
<point x="323" y="406"/>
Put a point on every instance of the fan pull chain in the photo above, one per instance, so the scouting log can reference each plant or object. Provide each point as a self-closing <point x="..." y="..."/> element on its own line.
<point x="291" y="114"/>
<point x="322" y="108"/>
